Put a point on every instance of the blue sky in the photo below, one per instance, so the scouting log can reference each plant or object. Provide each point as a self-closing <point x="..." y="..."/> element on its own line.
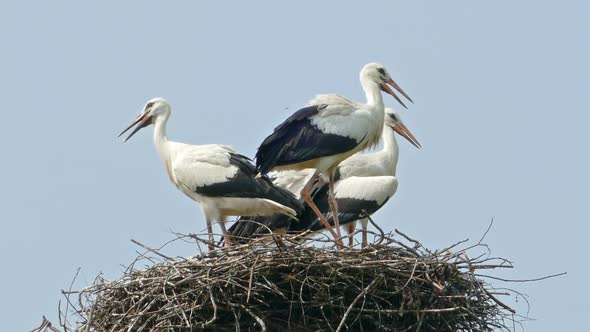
<point x="500" y="91"/>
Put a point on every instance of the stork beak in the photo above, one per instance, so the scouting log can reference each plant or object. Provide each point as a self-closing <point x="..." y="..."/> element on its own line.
<point x="387" y="89"/>
<point x="142" y="121"/>
<point x="403" y="131"/>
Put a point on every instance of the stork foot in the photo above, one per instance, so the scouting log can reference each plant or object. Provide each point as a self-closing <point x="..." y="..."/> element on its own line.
<point x="227" y="237"/>
<point x="211" y="242"/>
<point x="307" y="198"/>
<point x="227" y="241"/>
<point x="365" y="224"/>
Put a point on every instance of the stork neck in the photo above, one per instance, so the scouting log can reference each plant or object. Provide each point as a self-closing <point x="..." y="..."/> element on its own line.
<point x="390" y="149"/>
<point x="160" y="138"/>
<point x="372" y="91"/>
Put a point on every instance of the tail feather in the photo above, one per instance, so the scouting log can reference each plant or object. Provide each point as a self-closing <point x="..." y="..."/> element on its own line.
<point x="246" y="229"/>
<point x="281" y="196"/>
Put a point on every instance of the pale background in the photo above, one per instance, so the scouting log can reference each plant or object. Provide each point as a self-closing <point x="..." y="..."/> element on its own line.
<point x="501" y="92"/>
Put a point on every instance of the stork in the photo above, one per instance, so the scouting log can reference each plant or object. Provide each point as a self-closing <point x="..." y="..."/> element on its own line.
<point x="364" y="183"/>
<point x="331" y="129"/>
<point x="223" y="182"/>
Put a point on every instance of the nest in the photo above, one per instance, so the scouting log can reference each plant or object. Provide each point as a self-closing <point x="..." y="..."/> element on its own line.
<point x="286" y="284"/>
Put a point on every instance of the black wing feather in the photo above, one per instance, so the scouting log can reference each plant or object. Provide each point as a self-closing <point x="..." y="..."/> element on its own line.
<point x="297" y="140"/>
<point x="245" y="184"/>
<point x="349" y="210"/>
<point x="248" y="228"/>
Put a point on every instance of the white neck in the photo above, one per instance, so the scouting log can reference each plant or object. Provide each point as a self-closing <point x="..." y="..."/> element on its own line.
<point x="390" y="149"/>
<point x="372" y="91"/>
<point x="160" y="138"/>
<point x="375" y="103"/>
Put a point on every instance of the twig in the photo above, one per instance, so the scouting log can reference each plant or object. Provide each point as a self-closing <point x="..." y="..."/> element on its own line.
<point x="152" y="250"/>
<point x="258" y="319"/>
<point x="418" y="244"/>
<point x="68" y="303"/>
<point x="376" y="226"/>
<point x="486" y="232"/>
<point x="500" y="303"/>
<point x="45" y="324"/>
<point x="91" y="316"/>
<point x="521" y="280"/>
<point x="214" y="318"/>
<point x="356" y="299"/>
<point x="250" y="279"/>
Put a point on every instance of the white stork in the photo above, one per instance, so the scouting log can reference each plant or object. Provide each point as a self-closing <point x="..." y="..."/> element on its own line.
<point x="328" y="131"/>
<point x="364" y="183"/>
<point x="223" y="182"/>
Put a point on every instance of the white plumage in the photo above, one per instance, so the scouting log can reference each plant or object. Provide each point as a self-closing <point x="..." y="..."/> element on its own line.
<point x="328" y="131"/>
<point x="369" y="177"/>
<point x="223" y="182"/>
<point x="211" y="161"/>
<point x="335" y="119"/>
<point x="292" y="180"/>
<point x="375" y="188"/>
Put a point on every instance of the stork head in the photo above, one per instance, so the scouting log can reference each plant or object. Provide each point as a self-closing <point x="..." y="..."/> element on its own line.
<point x="154" y="109"/>
<point x="377" y="73"/>
<point x="393" y="120"/>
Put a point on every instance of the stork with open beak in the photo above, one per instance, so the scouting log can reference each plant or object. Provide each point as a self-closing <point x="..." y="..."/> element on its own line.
<point x="222" y="181"/>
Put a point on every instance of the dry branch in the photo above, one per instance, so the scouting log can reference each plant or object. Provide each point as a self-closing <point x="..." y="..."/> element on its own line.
<point x="284" y="283"/>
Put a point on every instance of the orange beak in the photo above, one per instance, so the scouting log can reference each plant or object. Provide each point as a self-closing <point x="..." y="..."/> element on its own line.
<point x="143" y="120"/>
<point x="385" y="87"/>
<point x="404" y="132"/>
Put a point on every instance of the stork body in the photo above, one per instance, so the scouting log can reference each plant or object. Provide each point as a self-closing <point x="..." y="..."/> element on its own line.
<point x="357" y="198"/>
<point x="222" y="181"/>
<point x="329" y="130"/>
<point x="364" y="183"/>
<point x="377" y="164"/>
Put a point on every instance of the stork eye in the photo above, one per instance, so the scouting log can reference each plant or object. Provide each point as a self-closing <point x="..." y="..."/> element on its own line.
<point x="381" y="71"/>
<point x="149" y="105"/>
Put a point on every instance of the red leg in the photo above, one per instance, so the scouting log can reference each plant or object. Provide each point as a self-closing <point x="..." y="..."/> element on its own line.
<point x="333" y="204"/>
<point x="307" y="198"/>
<point x="227" y="238"/>
<point x="365" y="223"/>
<point x="210" y="231"/>
<point x="350" y="230"/>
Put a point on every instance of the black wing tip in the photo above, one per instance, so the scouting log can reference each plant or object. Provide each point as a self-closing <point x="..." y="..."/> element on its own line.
<point x="262" y="169"/>
<point x="246" y="229"/>
<point x="259" y="162"/>
<point x="271" y="150"/>
<point x="297" y="206"/>
<point x="240" y="156"/>
<point x="286" y="198"/>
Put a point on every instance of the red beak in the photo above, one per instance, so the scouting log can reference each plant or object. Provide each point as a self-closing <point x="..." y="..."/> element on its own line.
<point x="387" y="89"/>
<point x="142" y="121"/>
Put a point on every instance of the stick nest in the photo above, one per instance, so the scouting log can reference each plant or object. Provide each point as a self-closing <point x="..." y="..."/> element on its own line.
<point x="284" y="284"/>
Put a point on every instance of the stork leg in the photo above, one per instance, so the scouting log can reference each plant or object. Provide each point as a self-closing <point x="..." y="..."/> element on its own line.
<point x="350" y="230"/>
<point x="333" y="204"/>
<point x="305" y="194"/>
<point x="227" y="238"/>
<point x="210" y="231"/>
<point x="365" y="223"/>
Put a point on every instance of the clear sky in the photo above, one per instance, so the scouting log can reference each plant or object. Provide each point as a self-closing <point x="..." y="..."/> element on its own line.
<point x="501" y="109"/>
